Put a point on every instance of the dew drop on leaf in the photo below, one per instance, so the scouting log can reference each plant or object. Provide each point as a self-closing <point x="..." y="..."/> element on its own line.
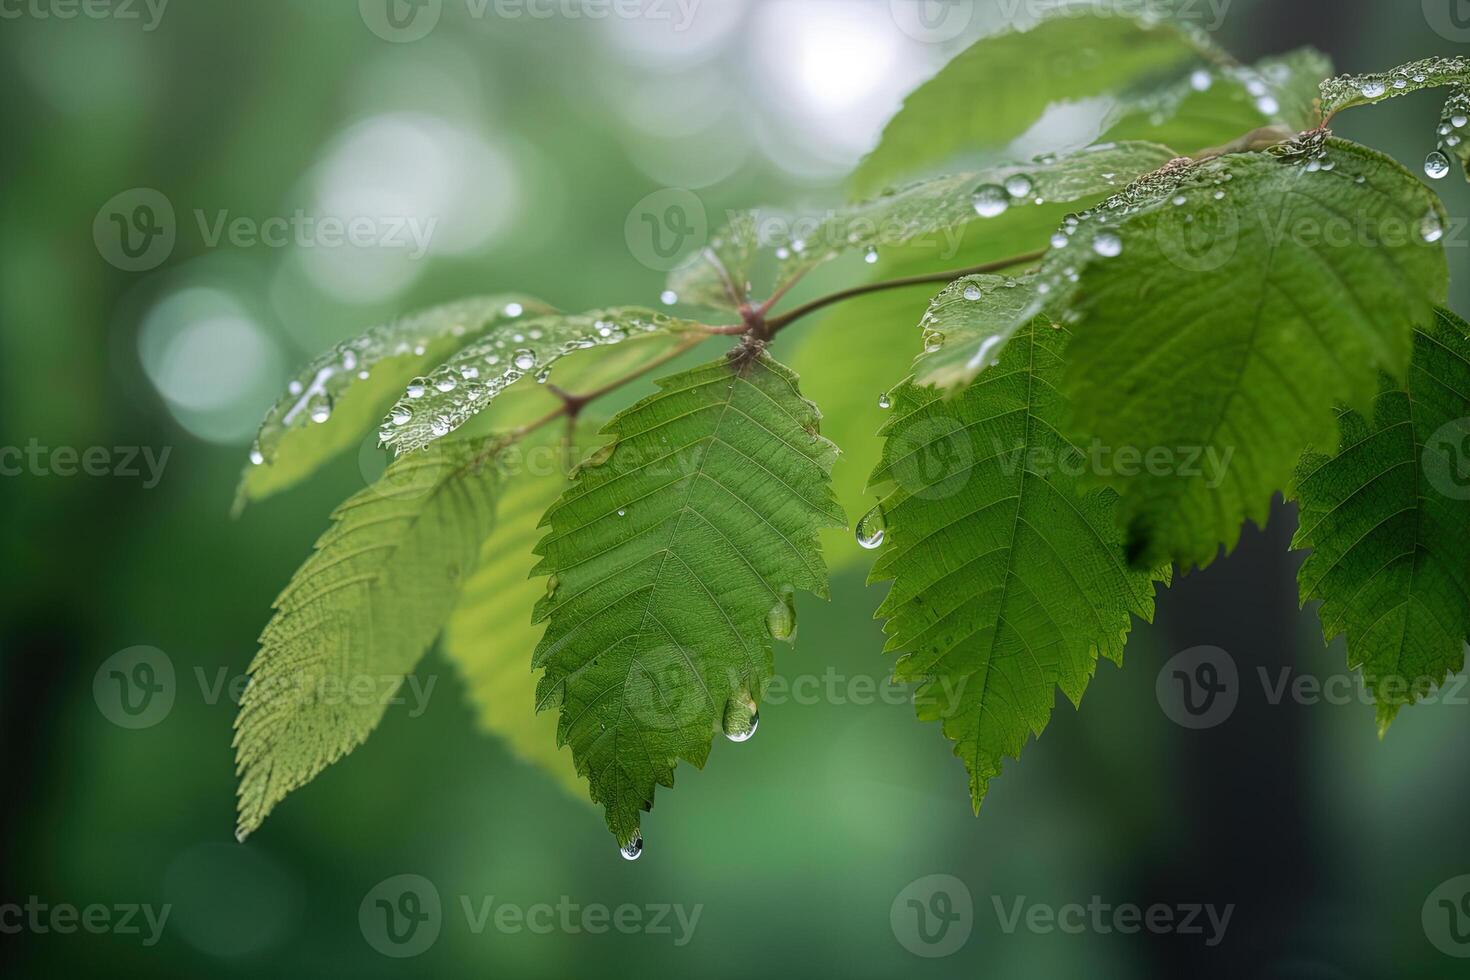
<point x="781" y="619"/>
<point x="746" y="732"/>
<point x="1107" y="244"/>
<point x="1372" y="88"/>
<point x="871" y="255"/>
<point x="884" y="402"/>
<point x="991" y="200"/>
<point x="525" y="360"/>
<point x="513" y="309"/>
<point x="972" y="292"/>
<point x="1436" y="165"/>
<point x="319" y="409"/>
<point x="1431" y="229"/>
<point x="871" y="528"/>
<point x="256" y="456"/>
<point x="632" y="850"/>
<point x="1018" y="185"/>
<point x="668" y="297"/>
<point x="1200" y="80"/>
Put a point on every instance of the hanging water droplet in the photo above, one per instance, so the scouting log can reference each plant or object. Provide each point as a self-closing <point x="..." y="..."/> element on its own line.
<point x="1018" y="185"/>
<point x="746" y="732"/>
<point x="256" y="456"/>
<point x="668" y="297"/>
<point x="543" y="375"/>
<point x="1107" y="244"/>
<point x="991" y="200"/>
<point x="513" y="310"/>
<point x="1431" y="229"/>
<point x="1058" y="239"/>
<point x="781" y="619"/>
<point x="349" y="360"/>
<point x="870" y="255"/>
<point x="871" y="527"/>
<point x="1200" y="80"/>
<point x="632" y="850"/>
<point x="972" y="292"/>
<point x="1372" y="88"/>
<point x="525" y="360"/>
<point x="884" y="402"/>
<point x="1436" y="165"/>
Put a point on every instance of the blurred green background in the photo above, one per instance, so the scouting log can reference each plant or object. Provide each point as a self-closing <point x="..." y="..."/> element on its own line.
<point x="531" y="140"/>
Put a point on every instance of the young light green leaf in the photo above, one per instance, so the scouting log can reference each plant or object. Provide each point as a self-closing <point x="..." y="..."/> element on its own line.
<point x="1211" y="105"/>
<point x="718" y="275"/>
<point x="968" y="324"/>
<point x="342" y="394"/>
<point x="667" y="557"/>
<point x="1009" y="578"/>
<point x="1387" y="519"/>
<point x="901" y="215"/>
<point x="1224" y="312"/>
<point x="993" y="91"/>
<point x="467" y="383"/>
<point x="1346" y="91"/>
<point x="489" y="637"/>
<point x="357" y="616"/>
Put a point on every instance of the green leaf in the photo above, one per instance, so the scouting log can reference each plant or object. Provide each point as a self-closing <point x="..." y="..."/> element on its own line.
<point x="1229" y="324"/>
<point x="967" y="324"/>
<point x="471" y="380"/>
<point x="925" y="207"/>
<point x="1009" y="578"/>
<point x="1211" y="106"/>
<point x="993" y="91"/>
<point x="1346" y="91"/>
<point x="718" y="275"/>
<point x="357" y="616"/>
<point x="1387" y="519"/>
<point x="667" y="556"/>
<point x="350" y="386"/>
<point x="490" y="637"/>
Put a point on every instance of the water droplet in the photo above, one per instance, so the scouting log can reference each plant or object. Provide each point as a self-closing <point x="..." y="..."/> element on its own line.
<point x="1436" y="165"/>
<point x="256" y="456"/>
<point x="1431" y="229"/>
<point x="871" y="527"/>
<point x="1372" y="88"/>
<point x="525" y="360"/>
<point x="1268" y="106"/>
<point x="1107" y="244"/>
<point x="514" y="309"/>
<point x="1459" y="120"/>
<point x="991" y="200"/>
<point x="415" y="389"/>
<point x="1059" y="239"/>
<point x="870" y="256"/>
<point x="349" y="361"/>
<point x="745" y="732"/>
<point x="543" y="375"/>
<point x="1219" y="195"/>
<point x="552" y="583"/>
<point x="933" y="340"/>
<point x="446" y="383"/>
<point x="632" y="850"/>
<point x="668" y="297"/>
<point x="319" y="409"/>
<point x="400" y="415"/>
<point x="1200" y="80"/>
<point x="622" y="512"/>
<point x="440" y="425"/>
<point x="1400" y="81"/>
<point x="972" y="292"/>
<point x="781" y="619"/>
<point x="884" y="402"/>
<point x="1018" y="185"/>
<point x="294" y="388"/>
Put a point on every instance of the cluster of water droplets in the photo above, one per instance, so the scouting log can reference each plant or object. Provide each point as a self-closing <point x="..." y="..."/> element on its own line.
<point x="1452" y="131"/>
<point x="1346" y="90"/>
<point x="435" y="405"/>
<point x="312" y="396"/>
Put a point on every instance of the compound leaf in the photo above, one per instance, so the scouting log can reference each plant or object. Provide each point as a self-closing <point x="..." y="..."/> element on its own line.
<point x="1009" y="577"/>
<point x="673" y="550"/>
<point x="1387" y="519"/>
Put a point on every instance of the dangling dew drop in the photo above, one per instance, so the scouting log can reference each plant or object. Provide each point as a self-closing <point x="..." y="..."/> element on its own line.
<point x="1436" y="165"/>
<point x="871" y="527"/>
<point x="1431" y="229"/>
<point x="870" y="256"/>
<point x="781" y="618"/>
<point x="319" y="409"/>
<point x="991" y="200"/>
<point x="632" y="850"/>
<point x="668" y="297"/>
<point x="1059" y="239"/>
<point x="746" y="732"/>
<point x="1200" y="80"/>
<point x="256" y="456"/>
<point x="884" y="402"/>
